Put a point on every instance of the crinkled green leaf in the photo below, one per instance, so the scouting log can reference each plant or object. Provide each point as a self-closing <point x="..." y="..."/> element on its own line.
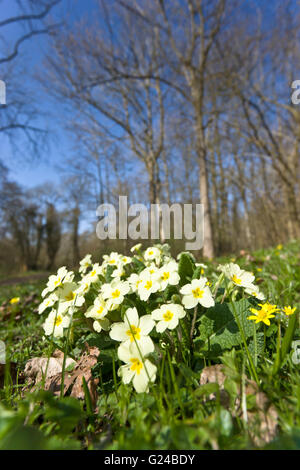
<point x="218" y="328"/>
<point x="186" y="268"/>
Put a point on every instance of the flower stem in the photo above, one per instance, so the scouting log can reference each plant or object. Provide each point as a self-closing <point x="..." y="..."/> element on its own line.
<point x="251" y="364"/>
<point x="193" y="325"/>
<point x="255" y="344"/>
<point x="66" y="350"/>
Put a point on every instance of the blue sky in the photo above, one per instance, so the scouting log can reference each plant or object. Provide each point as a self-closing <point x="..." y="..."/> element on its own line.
<point x="28" y="170"/>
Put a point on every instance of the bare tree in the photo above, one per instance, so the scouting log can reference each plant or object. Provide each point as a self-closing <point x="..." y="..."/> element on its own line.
<point x="266" y="122"/>
<point x="18" y="115"/>
<point x="30" y="17"/>
<point x="128" y="111"/>
<point x="53" y="234"/>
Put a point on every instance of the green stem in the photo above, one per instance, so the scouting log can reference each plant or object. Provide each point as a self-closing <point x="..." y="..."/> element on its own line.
<point x="255" y="344"/>
<point x="66" y="351"/>
<point x="217" y="285"/>
<point x="173" y="378"/>
<point x="252" y="367"/>
<point x="277" y="361"/>
<point x="193" y="325"/>
<point x="286" y="343"/>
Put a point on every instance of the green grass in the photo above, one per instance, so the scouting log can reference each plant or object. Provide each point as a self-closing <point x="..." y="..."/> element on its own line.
<point x="177" y="413"/>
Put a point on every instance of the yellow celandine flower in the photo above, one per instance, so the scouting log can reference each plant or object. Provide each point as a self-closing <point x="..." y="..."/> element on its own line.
<point x="279" y="247"/>
<point x="264" y="314"/>
<point x="14" y="300"/>
<point x="261" y="315"/>
<point x="289" y="310"/>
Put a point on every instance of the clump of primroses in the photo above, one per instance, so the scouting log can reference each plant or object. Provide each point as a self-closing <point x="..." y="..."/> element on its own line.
<point x="137" y="300"/>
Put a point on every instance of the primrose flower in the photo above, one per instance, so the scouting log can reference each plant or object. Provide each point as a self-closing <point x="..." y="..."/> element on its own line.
<point x="100" y="325"/>
<point x="168" y="316"/>
<point x="134" y="281"/>
<point x="69" y="296"/>
<point x="118" y="272"/>
<point x="168" y="274"/>
<point x="152" y="254"/>
<point x="14" y="300"/>
<point x="136" y="248"/>
<point x="85" y="263"/>
<point x="197" y="292"/>
<point x="112" y="259"/>
<point x="148" y="286"/>
<point x="255" y="292"/>
<point x="264" y="314"/>
<point x="125" y="260"/>
<point x="136" y="369"/>
<point x="289" y="310"/>
<point x="238" y="276"/>
<point x="47" y="302"/>
<point x="152" y="269"/>
<point x="98" y="310"/>
<point x="83" y="286"/>
<point x="114" y="292"/>
<point x="58" y="279"/>
<point x="55" y="324"/>
<point x="134" y="328"/>
<point x="92" y="276"/>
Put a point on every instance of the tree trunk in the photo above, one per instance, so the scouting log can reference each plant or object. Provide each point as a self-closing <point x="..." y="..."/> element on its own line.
<point x="208" y="244"/>
<point x="75" y="236"/>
